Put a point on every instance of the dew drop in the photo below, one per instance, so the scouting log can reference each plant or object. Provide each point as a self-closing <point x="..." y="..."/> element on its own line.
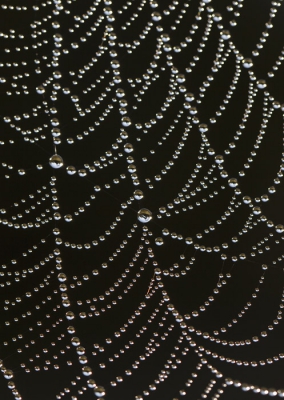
<point x="219" y="159"/>
<point x="120" y="93"/>
<point x="70" y="315"/>
<point x="87" y="371"/>
<point x="91" y="383"/>
<point x="203" y="128"/>
<point x="225" y="35"/>
<point x="75" y="341"/>
<point x="40" y="89"/>
<point x="99" y="391"/>
<point x="126" y="121"/>
<point x="138" y="194"/>
<point x="233" y="182"/>
<point x="261" y="84"/>
<point x="71" y="170"/>
<point x="279" y="228"/>
<point x="55" y="25"/>
<point x="247" y="62"/>
<point x="159" y="241"/>
<point x="128" y="148"/>
<point x="156" y="16"/>
<point x="82" y="172"/>
<point x="189" y="97"/>
<point x="56" y="161"/>
<point x="8" y="374"/>
<point x="217" y="17"/>
<point x="144" y="215"/>
<point x="246" y="199"/>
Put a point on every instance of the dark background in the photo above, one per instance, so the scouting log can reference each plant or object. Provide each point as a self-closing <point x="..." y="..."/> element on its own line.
<point x="187" y="293"/>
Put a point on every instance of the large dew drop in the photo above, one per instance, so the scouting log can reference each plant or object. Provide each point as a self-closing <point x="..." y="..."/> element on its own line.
<point x="144" y="215"/>
<point x="56" y="161"/>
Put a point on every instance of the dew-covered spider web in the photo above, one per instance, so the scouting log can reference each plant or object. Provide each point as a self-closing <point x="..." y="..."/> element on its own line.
<point x="141" y="203"/>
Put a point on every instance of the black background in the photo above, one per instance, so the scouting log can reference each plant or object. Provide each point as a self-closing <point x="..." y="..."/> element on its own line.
<point x="186" y="293"/>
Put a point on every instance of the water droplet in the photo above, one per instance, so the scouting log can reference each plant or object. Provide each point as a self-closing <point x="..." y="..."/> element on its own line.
<point x="120" y="93"/>
<point x="68" y="217"/>
<point x="279" y="228"/>
<point x="99" y="391"/>
<point x="217" y="17"/>
<point x="131" y="168"/>
<point x="8" y="374"/>
<point x="126" y="121"/>
<point x="61" y="277"/>
<point x="219" y="159"/>
<point x="70" y="315"/>
<point x="189" y="97"/>
<point x="256" y="210"/>
<point x="71" y="329"/>
<point x="128" y="148"/>
<point x="156" y="16"/>
<point x="56" y="161"/>
<point x="247" y="62"/>
<point x="55" y="206"/>
<point x="233" y="182"/>
<point x="66" y="303"/>
<point x="57" y="37"/>
<point x="203" y="128"/>
<point x="271" y="189"/>
<point x="246" y="199"/>
<point x="124" y="135"/>
<point x="225" y="35"/>
<point x="261" y="84"/>
<point x="224" y="174"/>
<point x="180" y="78"/>
<point x="188" y="240"/>
<point x="82" y="172"/>
<point x="71" y="170"/>
<point x="159" y="241"/>
<point x="57" y="216"/>
<point x="55" y="25"/>
<point x="276" y="104"/>
<point x="40" y="89"/>
<point x="75" y="341"/>
<point x="144" y="215"/>
<point x="80" y="350"/>
<point x="91" y="383"/>
<point x="87" y="371"/>
<point x="55" y="132"/>
<point x="115" y="64"/>
<point x="57" y="74"/>
<point x="138" y="194"/>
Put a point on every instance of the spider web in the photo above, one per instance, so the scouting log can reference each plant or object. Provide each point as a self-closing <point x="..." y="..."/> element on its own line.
<point x="141" y="200"/>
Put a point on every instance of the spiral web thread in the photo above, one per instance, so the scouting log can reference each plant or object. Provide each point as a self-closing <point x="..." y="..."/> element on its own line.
<point x="93" y="243"/>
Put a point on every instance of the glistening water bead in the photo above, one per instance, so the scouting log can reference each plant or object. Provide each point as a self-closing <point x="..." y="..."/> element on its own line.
<point x="138" y="194"/>
<point x="144" y="215"/>
<point x="99" y="391"/>
<point x="56" y="161"/>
